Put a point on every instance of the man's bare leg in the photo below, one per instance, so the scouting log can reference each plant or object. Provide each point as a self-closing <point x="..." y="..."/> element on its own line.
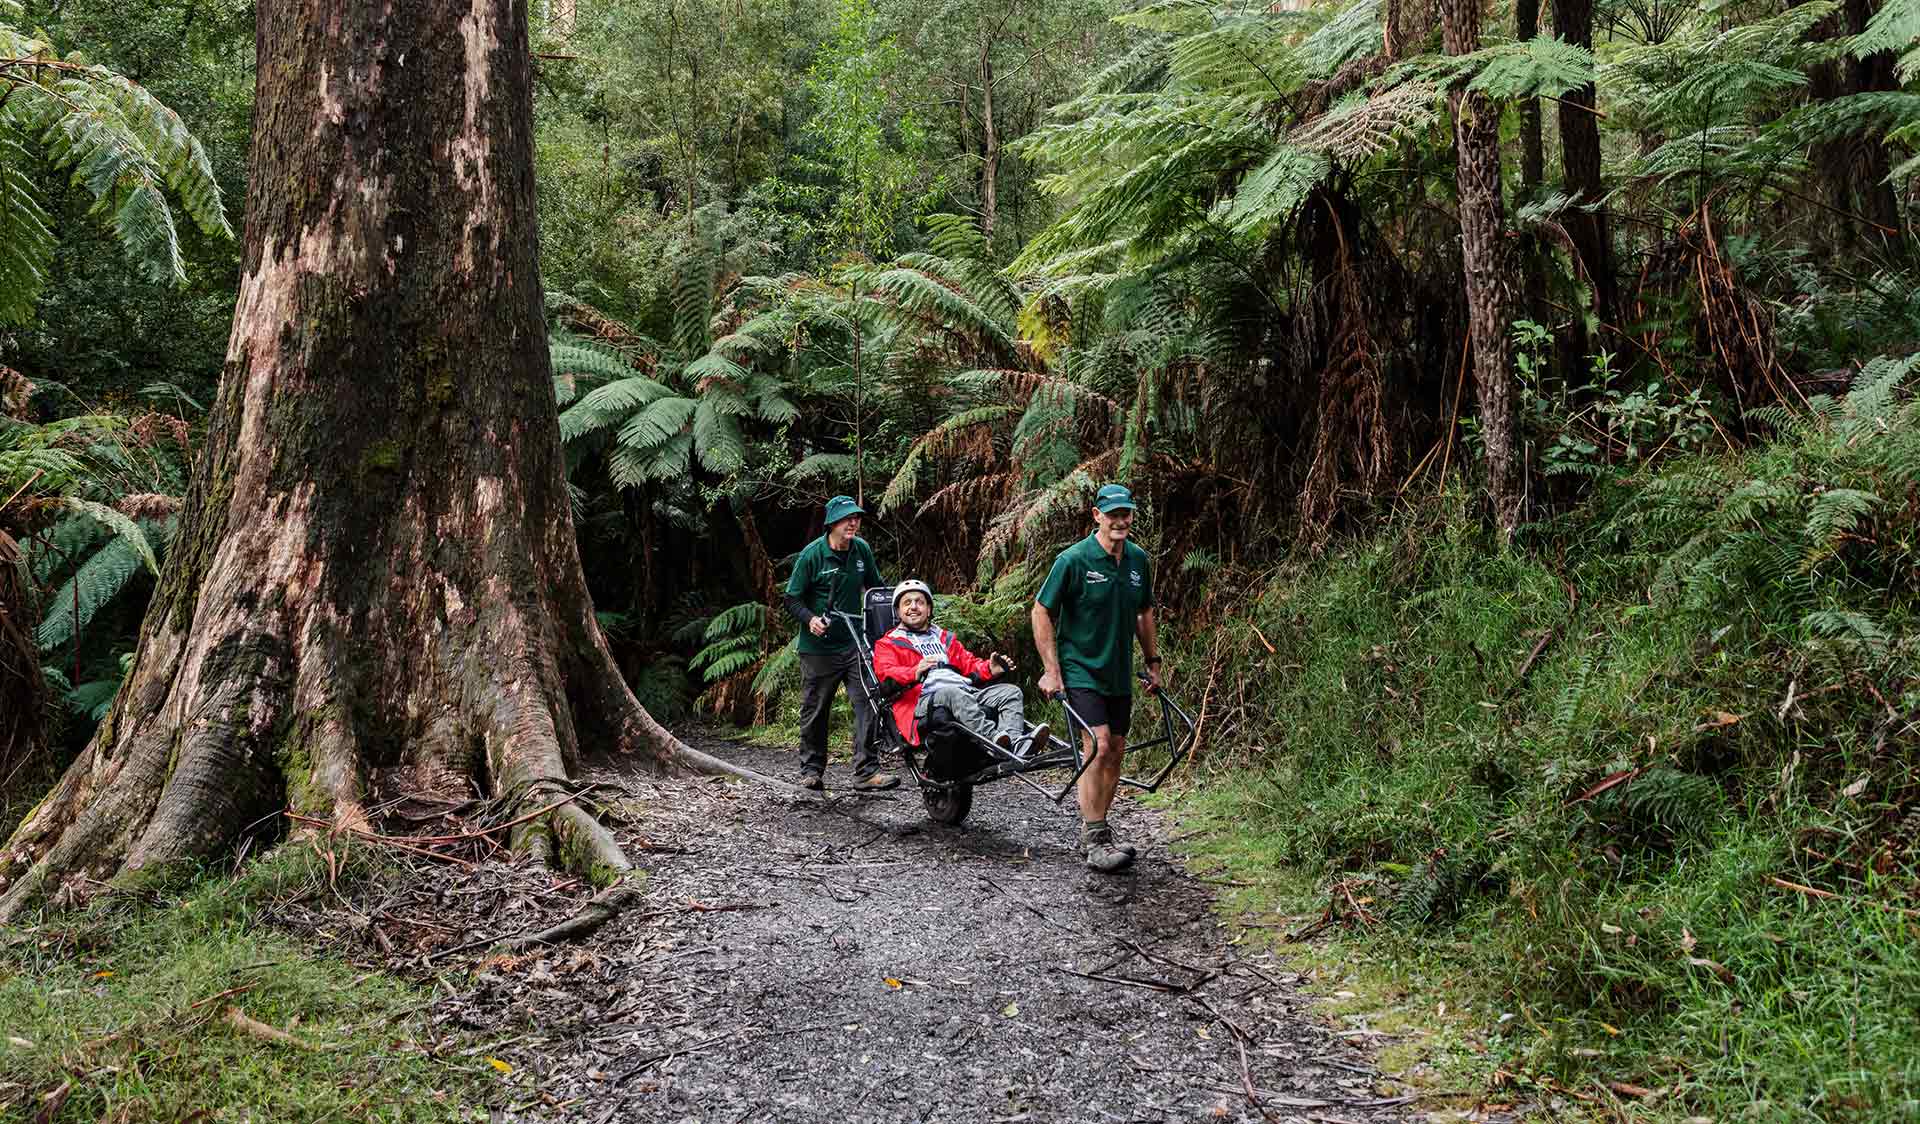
<point x="1102" y="778"/>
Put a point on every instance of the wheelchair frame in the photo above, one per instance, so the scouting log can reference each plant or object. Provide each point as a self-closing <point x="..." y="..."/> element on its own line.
<point x="948" y="799"/>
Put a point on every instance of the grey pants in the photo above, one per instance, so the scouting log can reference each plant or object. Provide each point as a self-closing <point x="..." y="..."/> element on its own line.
<point x="820" y="678"/>
<point x="988" y="711"/>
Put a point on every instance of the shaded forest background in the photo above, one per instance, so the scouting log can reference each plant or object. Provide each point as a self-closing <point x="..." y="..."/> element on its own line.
<point x="1519" y="395"/>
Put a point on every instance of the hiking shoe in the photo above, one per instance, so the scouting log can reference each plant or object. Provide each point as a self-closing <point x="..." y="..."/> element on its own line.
<point x="1105" y="858"/>
<point x="1103" y="854"/>
<point x="876" y="782"/>
<point x="812" y="780"/>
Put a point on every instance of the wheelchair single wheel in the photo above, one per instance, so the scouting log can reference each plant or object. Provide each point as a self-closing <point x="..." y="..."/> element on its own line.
<point x="948" y="804"/>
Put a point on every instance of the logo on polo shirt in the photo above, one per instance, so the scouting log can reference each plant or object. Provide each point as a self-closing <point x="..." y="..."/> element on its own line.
<point x="1095" y="577"/>
<point x="1134" y="575"/>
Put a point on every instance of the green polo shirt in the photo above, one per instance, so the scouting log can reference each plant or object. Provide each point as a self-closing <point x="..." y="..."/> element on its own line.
<point x="1095" y="602"/>
<point x="825" y="580"/>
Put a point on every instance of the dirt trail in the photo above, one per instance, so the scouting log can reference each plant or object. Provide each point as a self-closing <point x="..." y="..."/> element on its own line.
<point x="794" y="961"/>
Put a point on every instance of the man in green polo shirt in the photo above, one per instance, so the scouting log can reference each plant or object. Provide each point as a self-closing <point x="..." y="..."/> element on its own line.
<point x="831" y="575"/>
<point x="1097" y="598"/>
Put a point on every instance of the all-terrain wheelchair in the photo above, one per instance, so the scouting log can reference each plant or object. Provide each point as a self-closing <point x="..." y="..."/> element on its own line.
<point x="953" y="759"/>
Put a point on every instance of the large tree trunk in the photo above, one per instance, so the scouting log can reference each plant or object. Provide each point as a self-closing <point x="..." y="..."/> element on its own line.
<point x="1580" y="170"/>
<point x="1476" y="124"/>
<point x="376" y="568"/>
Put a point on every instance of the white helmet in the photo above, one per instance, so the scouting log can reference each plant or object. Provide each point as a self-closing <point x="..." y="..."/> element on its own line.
<point x="911" y="585"/>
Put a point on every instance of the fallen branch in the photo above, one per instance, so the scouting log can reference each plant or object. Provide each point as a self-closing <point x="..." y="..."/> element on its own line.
<point x="600" y="909"/>
<point x="1831" y="896"/>
<point x="238" y="1020"/>
<point x="1133" y="981"/>
<point x="1246" y="1071"/>
<point x="219" y="995"/>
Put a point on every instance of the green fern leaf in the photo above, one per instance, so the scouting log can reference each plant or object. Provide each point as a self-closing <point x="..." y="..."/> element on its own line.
<point x="120" y="525"/>
<point x="94" y="583"/>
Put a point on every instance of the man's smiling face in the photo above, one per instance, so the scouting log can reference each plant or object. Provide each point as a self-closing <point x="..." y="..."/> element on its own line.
<point x="915" y="610"/>
<point x="1116" y="523"/>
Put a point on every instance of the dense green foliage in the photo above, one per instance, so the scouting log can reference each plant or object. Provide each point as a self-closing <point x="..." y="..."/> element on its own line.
<point x="967" y="260"/>
<point x="1659" y="772"/>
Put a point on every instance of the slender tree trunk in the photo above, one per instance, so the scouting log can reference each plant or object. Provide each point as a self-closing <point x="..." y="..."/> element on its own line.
<point x="1533" y="160"/>
<point x="1580" y="164"/>
<point x="376" y="569"/>
<point x="989" y="147"/>
<point x="1853" y="170"/>
<point x="1483" y="255"/>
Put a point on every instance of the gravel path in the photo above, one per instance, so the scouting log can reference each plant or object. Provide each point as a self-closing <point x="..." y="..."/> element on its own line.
<point x="850" y="961"/>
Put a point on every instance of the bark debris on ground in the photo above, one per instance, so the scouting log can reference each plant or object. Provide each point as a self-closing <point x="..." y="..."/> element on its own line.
<point x="849" y="961"/>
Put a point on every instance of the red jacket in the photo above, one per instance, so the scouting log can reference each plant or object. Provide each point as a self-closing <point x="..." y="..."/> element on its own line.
<point x="894" y="659"/>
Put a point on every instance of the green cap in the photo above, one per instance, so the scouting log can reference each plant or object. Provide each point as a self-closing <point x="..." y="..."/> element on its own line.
<point x="839" y="507"/>
<point x="1111" y="497"/>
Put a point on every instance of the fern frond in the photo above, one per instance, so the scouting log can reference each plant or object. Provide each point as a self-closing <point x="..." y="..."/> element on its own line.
<point x="26" y="233"/>
<point x="120" y="525"/>
<point x="743" y="620"/>
<point x="94" y="583"/>
<point x="1360" y="128"/>
<point x="717" y="440"/>
<point x="605" y="405"/>
<point x="1270" y="193"/>
<point x="1895" y="27"/>
<point x="822" y="467"/>
<point x="661" y="420"/>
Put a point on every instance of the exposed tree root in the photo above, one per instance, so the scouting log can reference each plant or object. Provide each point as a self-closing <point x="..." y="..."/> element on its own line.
<point x="602" y="908"/>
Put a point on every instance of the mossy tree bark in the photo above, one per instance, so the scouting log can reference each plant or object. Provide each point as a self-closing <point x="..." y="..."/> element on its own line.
<point x="376" y="568"/>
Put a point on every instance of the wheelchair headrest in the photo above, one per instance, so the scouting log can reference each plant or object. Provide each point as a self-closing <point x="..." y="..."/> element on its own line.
<point x="880" y="619"/>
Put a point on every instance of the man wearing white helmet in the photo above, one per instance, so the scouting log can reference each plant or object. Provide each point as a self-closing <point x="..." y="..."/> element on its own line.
<point x="939" y="671"/>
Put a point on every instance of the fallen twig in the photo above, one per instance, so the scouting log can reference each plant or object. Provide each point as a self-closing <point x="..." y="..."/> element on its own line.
<point x="600" y="909"/>
<point x="1133" y="981"/>
<point x="219" y="995"/>
<point x="238" y="1020"/>
<point x="1812" y="892"/>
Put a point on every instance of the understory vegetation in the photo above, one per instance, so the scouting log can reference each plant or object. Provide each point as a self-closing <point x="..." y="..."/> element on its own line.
<point x="1645" y="788"/>
<point x="159" y="1013"/>
<point x="1521" y="398"/>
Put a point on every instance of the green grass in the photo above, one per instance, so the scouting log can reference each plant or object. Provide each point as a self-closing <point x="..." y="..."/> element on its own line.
<point x="122" y="1008"/>
<point x="1743" y="675"/>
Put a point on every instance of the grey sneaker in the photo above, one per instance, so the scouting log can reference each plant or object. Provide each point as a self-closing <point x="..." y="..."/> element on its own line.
<point x="1036" y="741"/>
<point x="1102" y="854"/>
<point x="876" y="782"/>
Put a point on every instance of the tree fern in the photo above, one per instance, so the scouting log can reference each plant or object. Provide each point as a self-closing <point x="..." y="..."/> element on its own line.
<point x="110" y="137"/>
<point x="1895" y="27"/>
<point x="95" y="582"/>
<point x="120" y="525"/>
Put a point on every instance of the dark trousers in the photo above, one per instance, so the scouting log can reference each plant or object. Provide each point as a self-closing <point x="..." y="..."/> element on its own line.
<point x="820" y="677"/>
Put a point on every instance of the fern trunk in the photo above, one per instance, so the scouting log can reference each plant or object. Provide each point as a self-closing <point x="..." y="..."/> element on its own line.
<point x="1580" y="172"/>
<point x="1485" y="261"/>
<point x="22" y="690"/>
<point x="376" y="574"/>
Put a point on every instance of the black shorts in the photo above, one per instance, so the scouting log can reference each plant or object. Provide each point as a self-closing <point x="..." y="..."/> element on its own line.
<point x="1115" y="712"/>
